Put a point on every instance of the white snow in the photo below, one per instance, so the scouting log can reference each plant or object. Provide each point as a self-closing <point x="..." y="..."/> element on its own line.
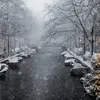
<point x="32" y="51"/>
<point x="19" y="58"/>
<point x="17" y="49"/>
<point x="86" y="63"/>
<point x="23" y="54"/>
<point x="70" y="60"/>
<point x="68" y="55"/>
<point x="77" y="65"/>
<point x="13" y="60"/>
<point x="63" y="53"/>
<point x="5" y="67"/>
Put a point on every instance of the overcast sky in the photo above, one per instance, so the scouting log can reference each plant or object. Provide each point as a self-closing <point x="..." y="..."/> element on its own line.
<point x="37" y="6"/>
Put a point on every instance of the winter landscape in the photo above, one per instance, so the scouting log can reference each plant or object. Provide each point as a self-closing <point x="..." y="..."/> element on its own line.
<point x="49" y="50"/>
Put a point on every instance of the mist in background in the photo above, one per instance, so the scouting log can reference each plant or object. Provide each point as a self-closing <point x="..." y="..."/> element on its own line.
<point x="37" y="8"/>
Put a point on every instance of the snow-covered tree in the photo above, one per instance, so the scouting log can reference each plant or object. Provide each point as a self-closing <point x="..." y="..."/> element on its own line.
<point x="73" y="17"/>
<point x="15" y="20"/>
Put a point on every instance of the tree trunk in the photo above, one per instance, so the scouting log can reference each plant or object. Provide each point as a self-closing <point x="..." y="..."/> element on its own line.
<point x="8" y="45"/>
<point x="84" y="44"/>
<point x="95" y="43"/>
<point x="92" y="46"/>
<point x="92" y="41"/>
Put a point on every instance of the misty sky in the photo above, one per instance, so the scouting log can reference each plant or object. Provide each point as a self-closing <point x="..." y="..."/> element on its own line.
<point x="37" y="7"/>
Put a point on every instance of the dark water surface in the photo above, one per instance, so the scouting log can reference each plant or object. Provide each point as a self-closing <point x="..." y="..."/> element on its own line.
<point x="42" y="77"/>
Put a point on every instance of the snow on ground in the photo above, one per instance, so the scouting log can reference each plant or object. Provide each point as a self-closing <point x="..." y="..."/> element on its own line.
<point x="69" y="60"/>
<point x="77" y="65"/>
<point x="13" y="60"/>
<point x="63" y="53"/>
<point x="4" y="69"/>
<point x="86" y="63"/>
<point x="68" y="55"/>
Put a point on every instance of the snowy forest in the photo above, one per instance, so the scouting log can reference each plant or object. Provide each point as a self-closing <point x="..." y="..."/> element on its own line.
<point x="16" y="24"/>
<point x="75" y="22"/>
<point x="49" y="49"/>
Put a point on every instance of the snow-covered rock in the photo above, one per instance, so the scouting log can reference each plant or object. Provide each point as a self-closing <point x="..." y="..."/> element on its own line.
<point x="89" y="89"/>
<point x="3" y="67"/>
<point x="13" y="60"/>
<point x="87" y="78"/>
<point x="69" y="62"/>
<point x="85" y="63"/>
<point x="32" y="51"/>
<point x="64" y="52"/>
<point x="68" y="55"/>
<point x="24" y="55"/>
<point x="19" y="58"/>
<point x="17" y="50"/>
<point x="78" y="70"/>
